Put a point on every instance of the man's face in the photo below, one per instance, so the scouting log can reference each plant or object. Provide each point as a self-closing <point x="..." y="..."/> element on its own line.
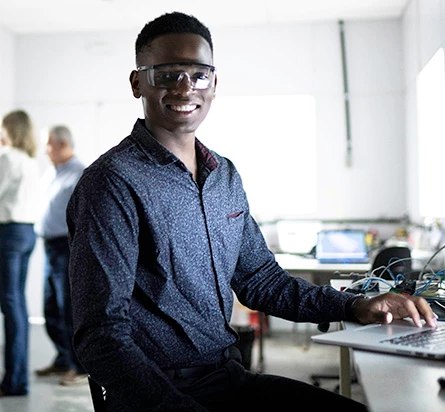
<point x="54" y="149"/>
<point x="179" y="109"/>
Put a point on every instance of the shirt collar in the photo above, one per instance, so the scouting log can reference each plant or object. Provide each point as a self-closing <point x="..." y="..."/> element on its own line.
<point x="160" y="154"/>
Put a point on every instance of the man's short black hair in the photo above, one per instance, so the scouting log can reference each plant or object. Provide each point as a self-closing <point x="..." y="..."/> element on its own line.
<point x="168" y="23"/>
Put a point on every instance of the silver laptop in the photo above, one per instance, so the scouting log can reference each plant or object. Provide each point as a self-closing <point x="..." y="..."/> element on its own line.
<point x="399" y="338"/>
<point x="341" y="246"/>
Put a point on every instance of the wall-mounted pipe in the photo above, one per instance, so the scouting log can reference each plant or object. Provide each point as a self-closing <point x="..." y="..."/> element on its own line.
<point x="346" y="95"/>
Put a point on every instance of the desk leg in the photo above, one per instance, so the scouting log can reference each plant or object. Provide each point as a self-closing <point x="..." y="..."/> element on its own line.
<point x="261" y="319"/>
<point x="345" y="372"/>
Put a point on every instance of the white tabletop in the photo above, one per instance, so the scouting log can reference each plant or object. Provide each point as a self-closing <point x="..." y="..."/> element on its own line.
<point x="395" y="383"/>
<point x="399" y="383"/>
<point x="299" y="263"/>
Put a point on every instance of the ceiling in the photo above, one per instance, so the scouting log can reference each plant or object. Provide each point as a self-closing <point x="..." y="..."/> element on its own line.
<point x="49" y="16"/>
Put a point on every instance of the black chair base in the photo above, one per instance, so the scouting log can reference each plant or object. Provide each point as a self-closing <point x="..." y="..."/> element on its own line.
<point x="98" y="396"/>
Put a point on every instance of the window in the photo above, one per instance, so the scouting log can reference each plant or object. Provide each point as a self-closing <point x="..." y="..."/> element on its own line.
<point x="272" y="142"/>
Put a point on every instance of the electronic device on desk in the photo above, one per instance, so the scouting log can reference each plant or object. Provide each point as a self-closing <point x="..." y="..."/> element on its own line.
<point x="373" y="285"/>
<point x="410" y="287"/>
<point x="406" y="286"/>
<point x="398" y="338"/>
<point x="341" y="246"/>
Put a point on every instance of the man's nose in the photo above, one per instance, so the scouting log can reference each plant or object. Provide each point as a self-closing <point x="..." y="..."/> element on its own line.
<point x="184" y="82"/>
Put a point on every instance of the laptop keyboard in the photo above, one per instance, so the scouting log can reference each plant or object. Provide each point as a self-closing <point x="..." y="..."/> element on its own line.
<point x="428" y="339"/>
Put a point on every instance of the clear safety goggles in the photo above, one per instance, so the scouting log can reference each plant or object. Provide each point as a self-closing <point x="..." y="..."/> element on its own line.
<point x="169" y="75"/>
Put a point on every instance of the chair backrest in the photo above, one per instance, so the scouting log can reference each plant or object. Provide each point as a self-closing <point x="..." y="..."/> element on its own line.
<point x="397" y="259"/>
<point x="97" y="396"/>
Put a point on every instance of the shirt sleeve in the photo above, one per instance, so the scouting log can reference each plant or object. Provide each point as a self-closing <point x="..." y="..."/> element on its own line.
<point x="261" y="284"/>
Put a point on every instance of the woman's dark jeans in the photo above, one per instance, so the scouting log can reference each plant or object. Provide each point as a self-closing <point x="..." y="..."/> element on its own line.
<point x="17" y="241"/>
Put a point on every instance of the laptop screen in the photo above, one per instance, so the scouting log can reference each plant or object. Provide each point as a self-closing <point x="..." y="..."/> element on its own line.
<point x="341" y="246"/>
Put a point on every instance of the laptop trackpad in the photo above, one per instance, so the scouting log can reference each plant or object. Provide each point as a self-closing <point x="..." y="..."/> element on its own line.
<point x="385" y="330"/>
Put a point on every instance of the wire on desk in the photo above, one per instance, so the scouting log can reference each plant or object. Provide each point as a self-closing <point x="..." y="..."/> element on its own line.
<point x="433" y="285"/>
<point x="431" y="258"/>
<point x="427" y="282"/>
<point x="365" y="284"/>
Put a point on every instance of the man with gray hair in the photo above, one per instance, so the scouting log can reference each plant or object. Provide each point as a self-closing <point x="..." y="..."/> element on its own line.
<point x="58" y="184"/>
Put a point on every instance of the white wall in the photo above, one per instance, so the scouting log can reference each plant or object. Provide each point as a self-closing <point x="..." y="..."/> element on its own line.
<point x="82" y="80"/>
<point x="6" y="71"/>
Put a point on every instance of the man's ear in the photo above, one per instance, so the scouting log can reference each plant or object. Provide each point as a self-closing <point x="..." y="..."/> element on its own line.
<point x="135" y="85"/>
<point x="214" y="87"/>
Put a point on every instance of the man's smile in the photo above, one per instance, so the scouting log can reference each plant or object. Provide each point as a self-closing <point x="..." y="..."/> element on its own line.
<point x="183" y="108"/>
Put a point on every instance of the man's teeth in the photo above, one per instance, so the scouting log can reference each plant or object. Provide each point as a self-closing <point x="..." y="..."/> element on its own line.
<point x="187" y="108"/>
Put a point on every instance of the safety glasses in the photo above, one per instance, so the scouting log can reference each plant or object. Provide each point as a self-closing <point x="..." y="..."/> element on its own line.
<point x="169" y="75"/>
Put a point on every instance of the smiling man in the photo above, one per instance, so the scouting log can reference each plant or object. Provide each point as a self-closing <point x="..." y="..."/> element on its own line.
<point x="161" y="236"/>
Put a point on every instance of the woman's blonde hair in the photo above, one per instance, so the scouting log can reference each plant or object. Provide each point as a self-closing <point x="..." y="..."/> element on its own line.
<point x="20" y="130"/>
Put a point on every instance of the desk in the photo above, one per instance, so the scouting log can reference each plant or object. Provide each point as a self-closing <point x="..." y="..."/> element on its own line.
<point x="395" y="383"/>
<point x="318" y="273"/>
<point x="392" y="383"/>
<point x="321" y="273"/>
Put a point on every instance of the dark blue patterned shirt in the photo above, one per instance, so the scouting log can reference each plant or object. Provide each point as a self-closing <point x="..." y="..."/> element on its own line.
<point x="155" y="260"/>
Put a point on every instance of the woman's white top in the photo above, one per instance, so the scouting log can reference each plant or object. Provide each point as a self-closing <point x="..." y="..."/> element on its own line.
<point x="19" y="179"/>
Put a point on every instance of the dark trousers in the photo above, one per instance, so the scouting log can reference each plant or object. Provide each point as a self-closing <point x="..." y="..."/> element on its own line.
<point x="17" y="241"/>
<point x="57" y="302"/>
<point x="232" y="388"/>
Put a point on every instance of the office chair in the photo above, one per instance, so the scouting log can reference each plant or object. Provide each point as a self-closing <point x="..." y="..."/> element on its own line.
<point x="98" y="396"/>
<point x="394" y="260"/>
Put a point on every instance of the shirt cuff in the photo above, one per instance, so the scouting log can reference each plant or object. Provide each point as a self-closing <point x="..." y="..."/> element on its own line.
<point x="349" y="307"/>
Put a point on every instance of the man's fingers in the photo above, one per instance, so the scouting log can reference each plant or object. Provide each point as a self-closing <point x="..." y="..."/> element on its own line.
<point x="389" y="306"/>
<point x="412" y="310"/>
<point x="404" y="306"/>
<point x="425" y="310"/>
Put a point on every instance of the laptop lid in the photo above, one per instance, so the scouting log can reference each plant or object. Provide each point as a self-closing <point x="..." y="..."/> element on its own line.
<point x="397" y="338"/>
<point x="341" y="246"/>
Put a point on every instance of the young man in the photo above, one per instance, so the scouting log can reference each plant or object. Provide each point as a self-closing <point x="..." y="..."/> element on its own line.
<point x="161" y="236"/>
<point x="58" y="185"/>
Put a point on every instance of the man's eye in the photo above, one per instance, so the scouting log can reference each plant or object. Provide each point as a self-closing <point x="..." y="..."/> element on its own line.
<point x="200" y="76"/>
<point x="167" y="76"/>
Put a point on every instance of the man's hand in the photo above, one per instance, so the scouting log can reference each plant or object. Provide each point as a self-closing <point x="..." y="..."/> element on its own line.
<point x="386" y="307"/>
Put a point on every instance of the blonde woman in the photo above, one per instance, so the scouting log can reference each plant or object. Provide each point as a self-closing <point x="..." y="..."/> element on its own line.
<point x="18" y="198"/>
